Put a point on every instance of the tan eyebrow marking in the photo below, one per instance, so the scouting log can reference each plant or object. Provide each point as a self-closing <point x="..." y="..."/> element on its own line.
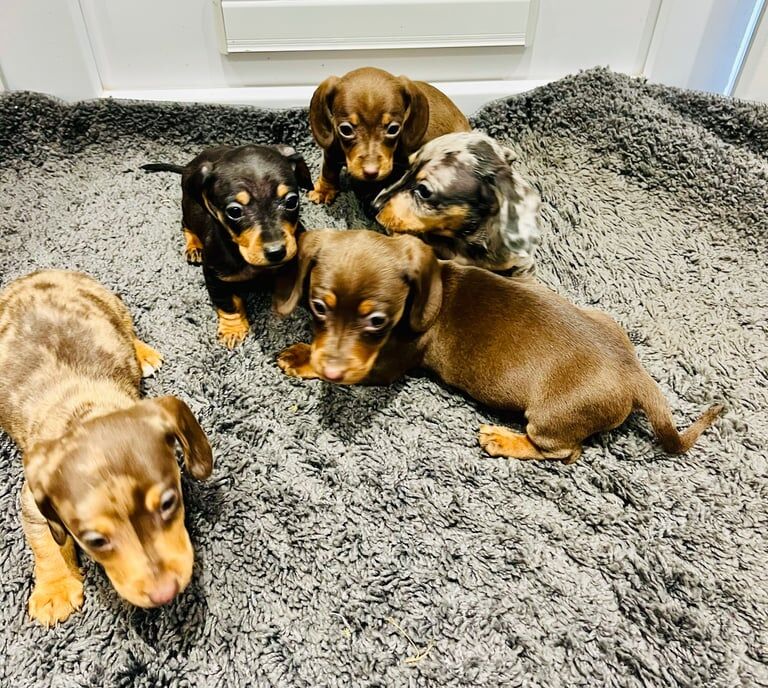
<point x="365" y="307"/>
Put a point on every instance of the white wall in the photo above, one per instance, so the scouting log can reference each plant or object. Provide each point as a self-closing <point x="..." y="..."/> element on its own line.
<point x="753" y="81"/>
<point x="179" y="47"/>
<point x="44" y="47"/>
<point x="714" y="30"/>
<point x="173" y="49"/>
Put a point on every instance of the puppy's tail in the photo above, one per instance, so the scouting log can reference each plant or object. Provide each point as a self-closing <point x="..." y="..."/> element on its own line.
<point x="162" y="167"/>
<point x="650" y="399"/>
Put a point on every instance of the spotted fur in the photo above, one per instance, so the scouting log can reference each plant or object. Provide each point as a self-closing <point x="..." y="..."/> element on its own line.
<point x="479" y="210"/>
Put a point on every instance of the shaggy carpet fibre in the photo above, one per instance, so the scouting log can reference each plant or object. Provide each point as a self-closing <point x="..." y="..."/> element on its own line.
<point x="358" y="536"/>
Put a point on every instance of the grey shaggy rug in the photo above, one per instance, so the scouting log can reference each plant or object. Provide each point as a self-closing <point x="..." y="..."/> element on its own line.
<point x="358" y="536"/>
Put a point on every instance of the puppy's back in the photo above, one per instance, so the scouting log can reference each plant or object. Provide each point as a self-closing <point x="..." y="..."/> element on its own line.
<point x="514" y="329"/>
<point x="60" y="331"/>
<point x="444" y="116"/>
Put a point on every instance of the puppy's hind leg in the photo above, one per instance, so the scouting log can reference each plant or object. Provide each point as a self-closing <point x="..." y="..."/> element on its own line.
<point x="149" y="359"/>
<point x="58" y="587"/>
<point x="500" y="441"/>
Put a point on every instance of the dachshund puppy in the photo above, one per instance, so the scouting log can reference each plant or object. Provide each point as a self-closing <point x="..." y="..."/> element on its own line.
<point x="371" y="121"/>
<point x="383" y="305"/>
<point x="99" y="464"/>
<point x="240" y="209"/>
<point x="462" y="197"/>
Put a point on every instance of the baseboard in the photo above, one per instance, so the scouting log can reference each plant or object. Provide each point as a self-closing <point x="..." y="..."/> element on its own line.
<point x="468" y="95"/>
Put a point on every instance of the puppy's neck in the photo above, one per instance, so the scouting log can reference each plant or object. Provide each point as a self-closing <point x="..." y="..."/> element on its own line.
<point x="73" y="402"/>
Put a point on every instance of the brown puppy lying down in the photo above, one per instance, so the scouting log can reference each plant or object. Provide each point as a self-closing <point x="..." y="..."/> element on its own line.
<point x="383" y="305"/>
<point x="99" y="464"/>
<point x="370" y="121"/>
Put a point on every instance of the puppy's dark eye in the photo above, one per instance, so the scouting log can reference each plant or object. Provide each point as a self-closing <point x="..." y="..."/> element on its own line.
<point x="234" y="211"/>
<point x="346" y="130"/>
<point x="95" y="541"/>
<point x="393" y="129"/>
<point x="168" y="503"/>
<point x="291" y="201"/>
<point x="375" y="322"/>
<point x="422" y="191"/>
<point x="319" y="308"/>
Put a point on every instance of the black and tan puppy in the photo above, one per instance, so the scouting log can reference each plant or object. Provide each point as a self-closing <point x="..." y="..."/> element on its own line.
<point x="240" y="216"/>
<point x="99" y="464"/>
<point x="370" y="121"/>
<point x="462" y="196"/>
<point x="383" y="305"/>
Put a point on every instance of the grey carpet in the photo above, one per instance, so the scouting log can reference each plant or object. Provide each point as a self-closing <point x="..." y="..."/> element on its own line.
<point x="346" y="530"/>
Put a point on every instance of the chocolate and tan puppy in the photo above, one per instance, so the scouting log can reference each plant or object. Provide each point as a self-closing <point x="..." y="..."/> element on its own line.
<point x="99" y="464"/>
<point x="370" y="121"/>
<point x="384" y="305"/>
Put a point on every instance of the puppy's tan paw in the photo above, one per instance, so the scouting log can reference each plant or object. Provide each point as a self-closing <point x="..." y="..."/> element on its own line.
<point x="194" y="256"/>
<point x="233" y="327"/>
<point x="232" y="334"/>
<point x="149" y="359"/>
<point x="491" y="440"/>
<point x="323" y="194"/>
<point x="295" y="361"/>
<point x="51" y="603"/>
<point x="193" y="248"/>
<point x="501" y="441"/>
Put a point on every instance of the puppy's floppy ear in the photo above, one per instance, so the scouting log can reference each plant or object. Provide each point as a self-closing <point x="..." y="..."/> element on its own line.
<point x="519" y="205"/>
<point x="38" y="478"/>
<point x="200" y="180"/>
<point x="423" y="273"/>
<point x="416" y="118"/>
<point x="290" y="281"/>
<point x="182" y="424"/>
<point x="300" y="169"/>
<point x="320" y="107"/>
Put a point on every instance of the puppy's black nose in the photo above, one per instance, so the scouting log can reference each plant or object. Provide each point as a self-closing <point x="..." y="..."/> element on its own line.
<point x="275" y="252"/>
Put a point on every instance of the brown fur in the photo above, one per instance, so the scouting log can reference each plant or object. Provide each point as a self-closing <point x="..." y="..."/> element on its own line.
<point x="512" y="344"/>
<point x="370" y="100"/>
<point x="70" y="367"/>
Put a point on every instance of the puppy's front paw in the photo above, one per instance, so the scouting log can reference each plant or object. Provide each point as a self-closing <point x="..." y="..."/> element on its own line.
<point x="232" y="330"/>
<point x="295" y="361"/>
<point x="194" y="256"/>
<point x="193" y="248"/>
<point x="323" y="193"/>
<point x="52" y="602"/>
<point x="149" y="359"/>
